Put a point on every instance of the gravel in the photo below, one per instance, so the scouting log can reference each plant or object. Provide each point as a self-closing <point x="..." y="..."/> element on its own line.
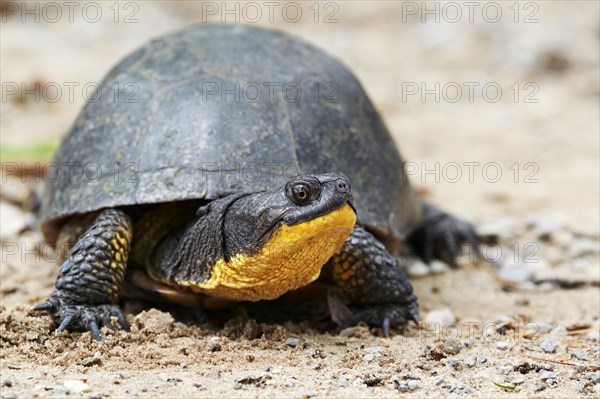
<point x="440" y="317"/>
<point x="548" y="345"/>
<point x="368" y="357"/>
<point x="76" y="386"/>
<point x="545" y="226"/>
<point x="416" y="268"/>
<point x="451" y="346"/>
<point x="517" y="380"/>
<point x="579" y="354"/>
<point x="503" y="345"/>
<point x="516" y="272"/>
<point x="498" y="228"/>
<point x="593" y="377"/>
<point x="292" y="342"/>
<point x="155" y="321"/>
<point x="546" y="375"/>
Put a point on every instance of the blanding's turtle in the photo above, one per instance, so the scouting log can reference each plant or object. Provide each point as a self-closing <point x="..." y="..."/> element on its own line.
<point x="217" y="164"/>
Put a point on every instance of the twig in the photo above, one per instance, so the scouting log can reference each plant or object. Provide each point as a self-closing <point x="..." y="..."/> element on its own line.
<point x="591" y="367"/>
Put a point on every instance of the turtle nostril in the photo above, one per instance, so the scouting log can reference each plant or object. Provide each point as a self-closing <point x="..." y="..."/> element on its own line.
<point x="342" y="185"/>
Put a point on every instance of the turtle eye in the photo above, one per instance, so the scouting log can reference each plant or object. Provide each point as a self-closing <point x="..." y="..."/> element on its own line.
<point x="302" y="193"/>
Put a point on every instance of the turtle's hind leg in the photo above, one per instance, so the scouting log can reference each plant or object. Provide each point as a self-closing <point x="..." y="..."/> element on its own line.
<point x="89" y="281"/>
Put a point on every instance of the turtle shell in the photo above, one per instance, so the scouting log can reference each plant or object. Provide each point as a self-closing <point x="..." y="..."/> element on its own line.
<point x="216" y="109"/>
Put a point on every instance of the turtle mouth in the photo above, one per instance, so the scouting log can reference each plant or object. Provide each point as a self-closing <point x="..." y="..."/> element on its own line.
<point x="292" y="217"/>
<point x="288" y="218"/>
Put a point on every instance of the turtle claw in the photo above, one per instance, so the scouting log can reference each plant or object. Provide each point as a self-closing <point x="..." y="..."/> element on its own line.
<point x="386" y="327"/>
<point x="116" y="311"/>
<point x="67" y="321"/>
<point x="93" y="326"/>
<point x="387" y="315"/>
<point x="72" y="316"/>
<point x="442" y="237"/>
<point x="48" y="305"/>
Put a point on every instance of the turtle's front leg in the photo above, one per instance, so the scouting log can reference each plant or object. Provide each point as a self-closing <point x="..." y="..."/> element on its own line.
<point x="373" y="281"/>
<point x="87" y="288"/>
<point x="440" y="235"/>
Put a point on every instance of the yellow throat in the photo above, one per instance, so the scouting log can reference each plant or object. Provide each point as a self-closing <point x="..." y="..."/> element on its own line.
<point x="291" y="258"/>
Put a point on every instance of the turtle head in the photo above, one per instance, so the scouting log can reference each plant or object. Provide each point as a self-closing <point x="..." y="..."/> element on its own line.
<point x="277" y="241"/>
<point x="301" y="199"/>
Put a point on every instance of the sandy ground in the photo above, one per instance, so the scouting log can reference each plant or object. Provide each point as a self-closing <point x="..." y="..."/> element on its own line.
<point x="531" y="327"/>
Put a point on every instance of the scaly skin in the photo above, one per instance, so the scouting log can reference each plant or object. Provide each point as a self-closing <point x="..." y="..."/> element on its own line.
<point x="374" y="282"/>
<point x="440" y="235"/>
<point x="90" y="278"/>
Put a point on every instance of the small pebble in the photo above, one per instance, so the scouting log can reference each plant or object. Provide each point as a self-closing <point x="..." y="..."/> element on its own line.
<point x="543" y="328"/>
<point x="547" y="375"/>
<point x="443" y="384"/>
<point x="498" y="228"/>
<point x="95" y="359"/>
<point x="517" y="380"/>
<point x="247" y="377"/>
<point x="559" y="330"/>
<point x="470" y="362"/>
<point x="584" y="247"/>
<point x="539" y="387"/>
<point x="451" y="346"/>
<point x="412" y="384"/>
<point x="579" y="354"/>
<point x="289" y="384"/>
<point x="438" y="267"/>
<point x="481" y="359"/>
<point x="156" y="321"/>
<point x="453" y="363"/>
<point x="548" y="345"/>
<point x="368" y="357"/>
<point x="516" y="272"/>
<point x="440" y="317"/>
<point x="199" y="386"/>
<point x="292" y="342"/>
<point x="545" y="226"/>
<point x="342" y="383"/>
<point x="310" y="394"/>
<point x="417" y="269"/>
<point x="594" y="335"/>
<point x="267" y="368"/>
<point x="214" y="375"/>
<point x="463" y="388"/>
<point x="562" y="238"/>
<point x="350" y="332"/>
<point x="503" y="369"/>
<point x="503" y="345"/>
<point x="76" y="386"/>
<point x="594" y="377"/>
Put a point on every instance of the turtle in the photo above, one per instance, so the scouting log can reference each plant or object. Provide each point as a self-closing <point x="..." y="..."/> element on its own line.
<point x="230" y="163"/>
